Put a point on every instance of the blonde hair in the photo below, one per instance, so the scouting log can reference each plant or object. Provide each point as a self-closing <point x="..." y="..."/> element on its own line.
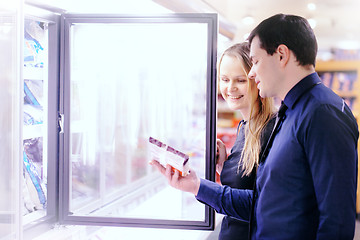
<point x="262" y="109"/>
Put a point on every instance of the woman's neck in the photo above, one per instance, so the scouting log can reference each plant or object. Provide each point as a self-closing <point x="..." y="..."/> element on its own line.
<point x="245" y="114"/>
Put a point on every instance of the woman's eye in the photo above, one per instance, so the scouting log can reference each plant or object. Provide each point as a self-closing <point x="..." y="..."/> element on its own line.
<point x="224" y="79"/>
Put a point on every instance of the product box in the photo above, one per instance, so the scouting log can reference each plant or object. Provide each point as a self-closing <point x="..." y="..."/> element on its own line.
<point x="168" y="155"/>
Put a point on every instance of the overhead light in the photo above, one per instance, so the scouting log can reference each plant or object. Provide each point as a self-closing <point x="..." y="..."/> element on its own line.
<point x="348" y="45"/>
<point x="246" y="35"/>
<point x="325" y="56"/>
<point x="248" y="20"/>
<point x="311" y="6"/>
<point x="312" y="22"/>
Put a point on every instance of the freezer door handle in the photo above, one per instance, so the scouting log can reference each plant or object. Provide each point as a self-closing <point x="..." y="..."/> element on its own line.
<point x="61" y="122"/>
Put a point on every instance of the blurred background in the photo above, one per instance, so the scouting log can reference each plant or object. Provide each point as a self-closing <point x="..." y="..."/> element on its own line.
<point x="121" y="84"/>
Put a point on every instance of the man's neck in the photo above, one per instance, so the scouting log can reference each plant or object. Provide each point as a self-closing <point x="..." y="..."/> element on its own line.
<point x="295" y="75"/>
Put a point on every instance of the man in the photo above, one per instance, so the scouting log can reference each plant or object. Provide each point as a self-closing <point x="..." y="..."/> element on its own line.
<point x="306" y="187"/>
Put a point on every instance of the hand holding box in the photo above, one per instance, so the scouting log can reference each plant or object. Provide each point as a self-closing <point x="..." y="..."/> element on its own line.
<point x="168" y="155"/>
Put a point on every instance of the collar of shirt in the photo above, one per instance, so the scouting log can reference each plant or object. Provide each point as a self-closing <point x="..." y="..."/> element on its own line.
<point x="300" y="88"/>
<point x="241" y="123"/>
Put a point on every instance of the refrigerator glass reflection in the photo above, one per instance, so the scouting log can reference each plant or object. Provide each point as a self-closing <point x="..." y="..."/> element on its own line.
<point x="127" y="82"/>
<point x="34" y="119"/>
<point x="10" y="123"/>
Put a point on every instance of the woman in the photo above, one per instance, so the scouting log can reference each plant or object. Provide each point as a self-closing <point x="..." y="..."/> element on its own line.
<point x="238" y="170"/>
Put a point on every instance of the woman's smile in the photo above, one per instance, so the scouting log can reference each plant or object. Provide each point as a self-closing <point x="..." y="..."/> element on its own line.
<point x="234" y="97"/>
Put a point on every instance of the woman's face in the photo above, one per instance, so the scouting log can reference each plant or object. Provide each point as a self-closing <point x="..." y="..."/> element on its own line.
<point x="233" y="85"/>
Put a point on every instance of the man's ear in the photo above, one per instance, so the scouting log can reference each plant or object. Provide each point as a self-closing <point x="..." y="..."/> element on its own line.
<point x="283" y="54"/>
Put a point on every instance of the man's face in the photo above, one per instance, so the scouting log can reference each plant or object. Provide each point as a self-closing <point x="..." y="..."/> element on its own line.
<point x="265" y="70"/>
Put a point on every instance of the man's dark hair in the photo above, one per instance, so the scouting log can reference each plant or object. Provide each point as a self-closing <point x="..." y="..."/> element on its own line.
<point x="293" y="31"/>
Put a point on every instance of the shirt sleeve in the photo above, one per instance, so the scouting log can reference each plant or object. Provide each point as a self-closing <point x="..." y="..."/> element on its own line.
<point x="225" y="200"/>
<point x="330" y="140"/>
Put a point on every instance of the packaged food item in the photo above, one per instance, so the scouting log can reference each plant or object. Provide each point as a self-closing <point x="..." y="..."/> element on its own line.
<point x="168" y="155"/>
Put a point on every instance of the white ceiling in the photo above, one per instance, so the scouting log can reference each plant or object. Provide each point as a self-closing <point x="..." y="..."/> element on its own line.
<point x="337" y="21"/>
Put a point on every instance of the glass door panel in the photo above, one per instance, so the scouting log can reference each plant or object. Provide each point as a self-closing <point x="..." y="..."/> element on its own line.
<point x="34" y="157"/>
<point x="40" y="100"/>
<point x="10" y="115"/>
<point x="128" y="79"/>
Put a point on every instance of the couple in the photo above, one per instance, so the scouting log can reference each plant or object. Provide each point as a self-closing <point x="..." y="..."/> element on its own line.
<point x="305" y="174"/>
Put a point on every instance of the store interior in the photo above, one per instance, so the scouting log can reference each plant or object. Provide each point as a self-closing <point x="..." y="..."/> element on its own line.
<point x="106" y="170"/>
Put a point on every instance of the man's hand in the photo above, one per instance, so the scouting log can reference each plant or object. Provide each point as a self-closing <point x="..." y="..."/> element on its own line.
<point x="189" y="183"/>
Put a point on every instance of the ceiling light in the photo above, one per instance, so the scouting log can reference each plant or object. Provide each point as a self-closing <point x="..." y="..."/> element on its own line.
<point x="325" y="55"/>
<point x="246" y="35"/>
<point x="311" y="6"/>
<point x="312" y="22"/>
<point x="248" y="20"/>
<point x="348" y="45"/>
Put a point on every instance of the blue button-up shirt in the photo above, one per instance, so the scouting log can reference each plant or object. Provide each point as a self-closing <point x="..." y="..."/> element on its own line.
<point x="306" y="188"/>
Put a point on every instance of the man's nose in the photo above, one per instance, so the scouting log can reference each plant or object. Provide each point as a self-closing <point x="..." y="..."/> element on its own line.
<point x="251" y="74"/>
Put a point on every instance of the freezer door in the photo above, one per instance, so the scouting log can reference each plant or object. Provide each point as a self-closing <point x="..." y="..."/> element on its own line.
<point x="126" y="79"/>
<point x="40" y="102"/>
